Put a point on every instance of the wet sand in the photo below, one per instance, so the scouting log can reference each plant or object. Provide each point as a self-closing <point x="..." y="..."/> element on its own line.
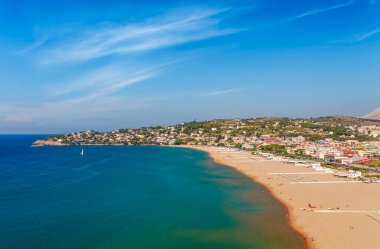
<point x="347" y="213"/>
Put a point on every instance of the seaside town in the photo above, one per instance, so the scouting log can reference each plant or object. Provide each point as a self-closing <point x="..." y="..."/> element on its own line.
<point x="190" y="124"/>
<point x="350" y="147"/>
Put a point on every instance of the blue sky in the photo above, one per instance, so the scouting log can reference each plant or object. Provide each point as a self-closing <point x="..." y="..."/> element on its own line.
<point x="103" y="65"/>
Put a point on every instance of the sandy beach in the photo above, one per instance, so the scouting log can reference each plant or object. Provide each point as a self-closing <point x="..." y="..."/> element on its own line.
<point x="347" y="213"/>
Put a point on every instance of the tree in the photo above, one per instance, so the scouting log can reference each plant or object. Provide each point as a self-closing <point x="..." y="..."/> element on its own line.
<point x="238" y="145"/>
<point x="299" y="152"/>
<point x="274" y="148"/>
<point x="178" y="142"/>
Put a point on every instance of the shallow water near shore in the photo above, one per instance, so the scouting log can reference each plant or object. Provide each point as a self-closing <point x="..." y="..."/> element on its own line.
<point x="134" y="198"/>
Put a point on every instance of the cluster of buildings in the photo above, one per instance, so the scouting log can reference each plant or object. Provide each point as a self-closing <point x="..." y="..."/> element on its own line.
<point x="371" y="130"/>
<point x="336" y="140"/>
<point x="353" y="174"/>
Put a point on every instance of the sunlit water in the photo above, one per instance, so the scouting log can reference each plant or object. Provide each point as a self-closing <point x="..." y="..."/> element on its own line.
<point x="132" y="198"/>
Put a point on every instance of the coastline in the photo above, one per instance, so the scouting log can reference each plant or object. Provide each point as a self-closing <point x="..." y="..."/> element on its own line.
<point x="348" y="225"/>
<point x="290" y="218"/>
<point x="344" y="216"/>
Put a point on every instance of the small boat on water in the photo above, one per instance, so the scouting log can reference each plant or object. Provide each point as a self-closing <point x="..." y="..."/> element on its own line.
<point x="82" y="152"/>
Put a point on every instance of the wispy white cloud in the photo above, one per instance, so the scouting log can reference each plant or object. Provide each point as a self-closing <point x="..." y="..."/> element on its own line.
<point x="97" y="97"/>
<point x="95" y="104"/>
<point x="175" y="28"/>
<point x="5" y="107"/>
<point x="358" y="37"/>
<point x="34" y="46"/>
<point x="98" y="78"/>
<point x="18" y="119"/>
<point x="73" y="111"/>
<point x="67" y="110"/>
<point x="111" y="88"/>
<point x="222" y="92"/>
<point x="367" y="35"/>
<point x="99" y="90"/>
<point x="319" y="11"/>
<point x="99" y="84"/>
<point x="103" y="81"/>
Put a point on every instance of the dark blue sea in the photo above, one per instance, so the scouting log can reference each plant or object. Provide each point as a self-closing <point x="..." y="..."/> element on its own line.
<point x="131" y="198"/>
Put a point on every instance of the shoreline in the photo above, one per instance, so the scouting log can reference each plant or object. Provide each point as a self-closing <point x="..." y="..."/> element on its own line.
<point x="289" y="212"/>
<point x="290" y="219"/>
<point x="330" y="215"/>
<point x="212" y="155"/>
<point x="345" y="216"/>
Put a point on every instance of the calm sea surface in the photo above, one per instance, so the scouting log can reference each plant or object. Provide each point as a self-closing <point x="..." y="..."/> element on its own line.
<point x="132" y="198"/>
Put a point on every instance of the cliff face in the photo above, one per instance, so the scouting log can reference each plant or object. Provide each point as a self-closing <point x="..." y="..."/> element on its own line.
<point x="373" y="115"/>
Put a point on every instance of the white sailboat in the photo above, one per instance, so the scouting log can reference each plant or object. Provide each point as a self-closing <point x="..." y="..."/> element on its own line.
<point x="82" y="152"/>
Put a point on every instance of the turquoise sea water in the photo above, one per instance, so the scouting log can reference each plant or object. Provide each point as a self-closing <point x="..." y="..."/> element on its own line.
<point x="132" y="198"/>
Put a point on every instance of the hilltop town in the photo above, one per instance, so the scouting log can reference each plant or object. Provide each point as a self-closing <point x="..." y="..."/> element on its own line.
<point x="336" y="140"/>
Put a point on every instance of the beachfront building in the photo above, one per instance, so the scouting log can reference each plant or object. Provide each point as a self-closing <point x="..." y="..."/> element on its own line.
<point x="354" y="174"/>
<point x="342" y="160"/>
<point x="331" y="158"/>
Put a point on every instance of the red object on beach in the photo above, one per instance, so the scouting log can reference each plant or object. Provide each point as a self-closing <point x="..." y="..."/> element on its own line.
<point x="311" y="206"/>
